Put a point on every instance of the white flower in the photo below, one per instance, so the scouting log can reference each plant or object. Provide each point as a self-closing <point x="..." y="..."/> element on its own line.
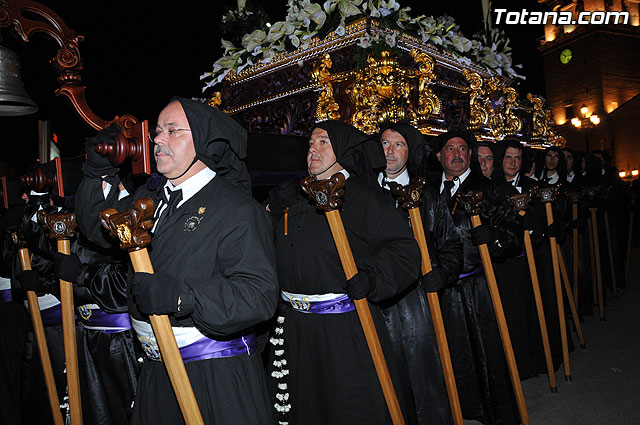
<point x="250" y="41"/>
<point x="227" y="45"/>
<point x="390" y="39"/>
<point x="295" y="40"/>
<point x="349" y="7"/>
<point x="365" y="41"/>
<point x="340" y="31"/>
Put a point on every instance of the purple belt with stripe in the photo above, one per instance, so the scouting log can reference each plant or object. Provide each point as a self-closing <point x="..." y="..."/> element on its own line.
<point x="342" y="304"/>
<point x="470" y="273"/>
<point x="207" y="348"/>
<point x="99" y="319"/>
<point x="523" y="254"/>
<point x="5" y="296"/>
<point x="52" y="315"/>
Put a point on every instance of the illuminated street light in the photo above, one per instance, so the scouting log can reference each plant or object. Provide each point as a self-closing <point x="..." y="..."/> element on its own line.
<point x="587" y="123"/>
<point x="622" y="174"/>
<point x="635" y="173"/>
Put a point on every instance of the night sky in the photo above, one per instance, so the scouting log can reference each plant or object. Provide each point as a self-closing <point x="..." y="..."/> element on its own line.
<point x="139" y="54"/>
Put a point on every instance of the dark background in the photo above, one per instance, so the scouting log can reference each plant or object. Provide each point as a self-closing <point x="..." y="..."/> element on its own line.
<point x="139" y="54"/>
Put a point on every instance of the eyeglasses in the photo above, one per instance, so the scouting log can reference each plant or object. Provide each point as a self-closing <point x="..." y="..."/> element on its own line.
<point x="171" y="133"/>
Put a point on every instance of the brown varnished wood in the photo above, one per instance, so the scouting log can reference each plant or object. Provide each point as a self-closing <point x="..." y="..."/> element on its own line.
<point x="131" y="229"/>
<point x="472" y="203"/>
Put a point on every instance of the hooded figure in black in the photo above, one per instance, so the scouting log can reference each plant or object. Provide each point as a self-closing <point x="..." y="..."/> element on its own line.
<point x="212" y="252"/>
<point x="408" y="314"/>
<point x="479" y="362"/>
<point x="321" y="367"/>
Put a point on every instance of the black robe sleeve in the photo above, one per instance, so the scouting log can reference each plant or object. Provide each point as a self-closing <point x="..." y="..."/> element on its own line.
<point x="503" y="221"/>
<point x="107" y="285"/>
<point x="244" y="291"/>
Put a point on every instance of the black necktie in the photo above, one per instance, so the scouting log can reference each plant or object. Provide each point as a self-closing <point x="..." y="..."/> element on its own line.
<point x="174" y="197"/>
<point x="446" y="193"/>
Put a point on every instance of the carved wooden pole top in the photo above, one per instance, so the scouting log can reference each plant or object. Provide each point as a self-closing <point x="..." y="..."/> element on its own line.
<point x="410" y="195"/>
<point x="327" y="193"/>
<point x="521" y="201"/>
<point x="548" y="194"/>
<point x="471" y="202"/>
<point x="575" y="197"/>
<point x="591" y="192"/>
<point x="59" y="225"/>
<point x="130" y="227"/>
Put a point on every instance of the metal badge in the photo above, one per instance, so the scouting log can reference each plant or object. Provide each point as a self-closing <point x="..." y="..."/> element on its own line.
<point x="59" y="227"/>
<point x="191" y="223"/>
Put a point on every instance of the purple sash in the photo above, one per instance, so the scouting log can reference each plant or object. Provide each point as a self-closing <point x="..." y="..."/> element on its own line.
<point x="523" y="254"/>
<point x="207" y="348"/>
<point x="52" y="315"/>
<point x="471" y="273"/>
<point x="99" y="319"/>
<point x="342" y="304"/>
<point x="5" y="296"/>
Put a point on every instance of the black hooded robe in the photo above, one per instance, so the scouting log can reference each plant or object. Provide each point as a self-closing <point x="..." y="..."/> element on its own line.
<point x="217" y="244"/>
<point x="329" y="376"/>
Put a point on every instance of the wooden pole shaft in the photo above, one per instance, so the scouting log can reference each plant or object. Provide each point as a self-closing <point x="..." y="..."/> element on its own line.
<point x="596" y="250"/>
<point x="612" y="266"/>
<point x="502" y="326"/>
<point x="170" y="351"/>
<point x="594" y="278"/>
<point x="438" y="323"/>
<point x="70" y="344"/>
<point x="38" y="330"/>
<point x="366" y="320"/>
<point x="567" y="287"/>
<point x="575" y="256"/>
<point x="559" y="298"/>
<point x="540" y="309"/>
<point x="629" y="240"/>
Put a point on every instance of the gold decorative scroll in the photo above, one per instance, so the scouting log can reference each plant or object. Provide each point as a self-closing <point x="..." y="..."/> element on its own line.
<point x="327" y="108"/>
<point x="479" y="115"/>
<point x="428" y="102"/>
<point x="540" y="117"/>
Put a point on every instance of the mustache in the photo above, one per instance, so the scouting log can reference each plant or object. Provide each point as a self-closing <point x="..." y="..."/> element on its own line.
<point x="161" y="149"/>
<point x="454" y="160"/>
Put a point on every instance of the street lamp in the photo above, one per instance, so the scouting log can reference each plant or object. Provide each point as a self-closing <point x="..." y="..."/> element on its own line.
<point x="587" y="123"/>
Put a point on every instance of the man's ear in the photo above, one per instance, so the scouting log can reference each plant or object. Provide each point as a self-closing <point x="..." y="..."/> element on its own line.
<point x="438" y="156"/>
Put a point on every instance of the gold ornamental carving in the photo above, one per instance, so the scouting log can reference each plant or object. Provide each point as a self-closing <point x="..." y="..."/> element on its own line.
<point x="428" y="102"/>
<point x="327" y="108"/>
<point x="539" y="117"/>
<point x="492" y="104"/>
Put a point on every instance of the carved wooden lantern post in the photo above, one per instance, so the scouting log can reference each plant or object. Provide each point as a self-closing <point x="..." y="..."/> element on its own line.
<point x="61" y="228"/>
<point x="409" y="196"/>
<point x="520" y="203"/>
<point x="472" y="204"/>
<point x="327" y="194"/>
<point x="131" y="228"/>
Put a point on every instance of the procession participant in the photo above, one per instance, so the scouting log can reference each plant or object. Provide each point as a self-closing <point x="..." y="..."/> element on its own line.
<point x="408" y="315"/>
<point x="212" y="252"/>
<point x="15" y="325"/>
<point x="486" y="157"/>
<point x="108" y="350"/>
<point x="467" y="307"/>
<point x="554" y="168"/>
<point x="513" y="276"/>
<point x="40" y="279"/>
<point x="322" y="367"/>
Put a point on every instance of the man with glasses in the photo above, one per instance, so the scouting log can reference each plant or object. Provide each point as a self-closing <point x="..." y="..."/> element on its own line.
<point x="212" y="251"/>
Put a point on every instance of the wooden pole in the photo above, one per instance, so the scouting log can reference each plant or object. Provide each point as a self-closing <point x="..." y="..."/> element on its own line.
<point x="540" y="309"/>
<point x="592" y="255"/>
<point x="629" y="240"/>
<point x="38" y="330"/>
<point x="366" y="320"/>
<point x="559" y="299"/>
<point x="130" y="227"/>
<point x="572" y="305"/>
<point x="612" y="266"/>
<point x="70" y="343"/>
<point x="596" y="250"/>
<point x="575" y="255"/>
<point x="170" y="351"/>
<point x="438" y="323"/>
<point x="502" y="326"/>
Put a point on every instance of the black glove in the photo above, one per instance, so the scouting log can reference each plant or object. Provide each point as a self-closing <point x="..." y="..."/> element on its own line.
<point x="66" y="266"/>
<point x="29" y="280"/>
<point x="359" y="285"/>
<point x="552" y="231"/>
<point x="97" y="165"/>
<point x="481" y="235"/>
<point x="433" y="281"/>
<point x="580" y="223"/>
<point x="160" y="293"/>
